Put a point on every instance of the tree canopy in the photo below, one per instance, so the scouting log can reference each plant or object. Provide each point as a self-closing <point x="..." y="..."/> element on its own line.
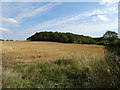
<point x="107" y="39"/>
<point x="110" y="35"/>
<point x="61" y="37"/>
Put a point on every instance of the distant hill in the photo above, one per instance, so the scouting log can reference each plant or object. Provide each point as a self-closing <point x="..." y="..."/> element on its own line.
<point x="61" y="37"/>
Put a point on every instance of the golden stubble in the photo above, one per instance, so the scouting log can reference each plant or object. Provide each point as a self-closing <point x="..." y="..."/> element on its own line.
<point x="14" y="52"/>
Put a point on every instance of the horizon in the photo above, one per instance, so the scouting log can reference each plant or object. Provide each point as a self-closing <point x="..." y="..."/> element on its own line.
<point x="21" y="20"/>
<point x="53" y="31"/>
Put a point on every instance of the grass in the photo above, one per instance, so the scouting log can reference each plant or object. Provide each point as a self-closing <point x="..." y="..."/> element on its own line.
<point x="63" y="74"/>
<point x="74" y="72"/>
<point x="58" y="74"/>
<point x="13" y="79"/>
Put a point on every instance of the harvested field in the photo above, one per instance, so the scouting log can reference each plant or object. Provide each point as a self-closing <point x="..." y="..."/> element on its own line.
<point x="14" y="52"/>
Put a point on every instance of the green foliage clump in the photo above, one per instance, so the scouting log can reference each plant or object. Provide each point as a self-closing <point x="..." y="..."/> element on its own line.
<point x="114" y="47"/>
<point x="61" y="37"/>
<point x="108" y="38"/>
<point x="111" y="35"/>
<point x="103" y="42"/>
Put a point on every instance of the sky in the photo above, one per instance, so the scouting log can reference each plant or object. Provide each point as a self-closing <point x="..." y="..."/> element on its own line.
<point x="22" y="19"/>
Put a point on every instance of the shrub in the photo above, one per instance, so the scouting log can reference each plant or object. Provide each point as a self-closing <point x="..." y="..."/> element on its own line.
<point x="115" y="47"/>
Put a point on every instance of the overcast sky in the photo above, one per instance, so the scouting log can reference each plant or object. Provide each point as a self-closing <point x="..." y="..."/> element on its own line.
<point x="22" y="19"/>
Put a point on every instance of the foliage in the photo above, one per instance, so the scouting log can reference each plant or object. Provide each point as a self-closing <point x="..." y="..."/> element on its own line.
<point x="59" y="74"/>
<point x="107" y="39"/>
<point x="7" y="40"/>
<point x="110" y="35"/>
<point x="103" y="42"/>
<point x="61" y="37"/>
<point x="115" y="47"/>
<point x="1" y="39"/>
<point x="105" y="73"/>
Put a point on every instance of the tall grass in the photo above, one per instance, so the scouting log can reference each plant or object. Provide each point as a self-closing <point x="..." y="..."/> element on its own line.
<point x="64" y="74"/>
<point x="74" y="73"/>
<point x="105" y="73"/>
<point x="114" y="47"/>
<point x="58" y="74"/>
<point x="13" y="79"/>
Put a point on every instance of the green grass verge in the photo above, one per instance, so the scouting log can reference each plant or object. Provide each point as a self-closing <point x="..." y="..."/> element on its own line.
<point x="64" y="74"/>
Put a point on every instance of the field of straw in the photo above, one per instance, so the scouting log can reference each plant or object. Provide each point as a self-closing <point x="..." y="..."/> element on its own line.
<point x="57" y="65"/>
<point x="14" y="52"/>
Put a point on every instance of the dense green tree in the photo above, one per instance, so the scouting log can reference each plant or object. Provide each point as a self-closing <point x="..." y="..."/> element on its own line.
<point x="110" y="35"/>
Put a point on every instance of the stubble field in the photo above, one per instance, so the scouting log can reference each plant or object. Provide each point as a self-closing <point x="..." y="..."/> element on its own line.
<point x="22" y="52"/>
<point x="56" y="65"/>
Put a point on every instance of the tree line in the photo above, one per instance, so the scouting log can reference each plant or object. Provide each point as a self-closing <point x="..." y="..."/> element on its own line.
<point x="61" y="37"/>
<point x="106" y="39"/>
<point x="6" y="40"/>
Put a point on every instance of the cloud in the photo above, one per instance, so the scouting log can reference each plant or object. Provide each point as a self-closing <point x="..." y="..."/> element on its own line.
<point x="106" y="11"/>
<point x="108" y="1"/>
<point x="95" y="15"/>
<point x="88" y="28"/>
<point x="10" y="21"/>
<point x="4" y="29"/>
<point x="39" y="10"/>
<point x="100" y="18"/>
<point x="91" y="29"/>
<point x="69" y="23"/>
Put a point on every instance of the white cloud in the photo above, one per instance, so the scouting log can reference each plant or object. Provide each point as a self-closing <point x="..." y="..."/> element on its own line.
<point x="97" y="14"/>
<point x="4" y="29"/>
<point x="10" y="21"/>
<point x="100" y="18"/>
<point x="88" y="28"/>
<point x="108" y="1"/>
<point x="78" y="28"/>
<point x="33" y="12"/>
<point x="106" y="11"/>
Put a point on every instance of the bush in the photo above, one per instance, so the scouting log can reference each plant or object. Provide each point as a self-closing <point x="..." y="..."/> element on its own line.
<point x="115" y="47"/>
